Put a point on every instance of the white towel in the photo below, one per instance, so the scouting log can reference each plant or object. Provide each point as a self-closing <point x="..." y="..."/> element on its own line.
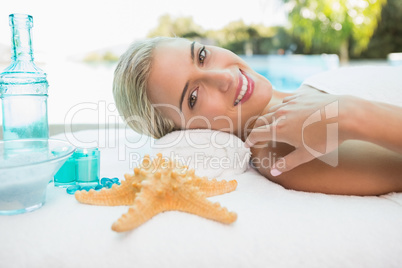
<point x="211" y="153"/>
<point x="375" y="83"/>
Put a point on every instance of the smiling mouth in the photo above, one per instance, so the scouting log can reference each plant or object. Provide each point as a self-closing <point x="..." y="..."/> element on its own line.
<point x="243" y="89"/>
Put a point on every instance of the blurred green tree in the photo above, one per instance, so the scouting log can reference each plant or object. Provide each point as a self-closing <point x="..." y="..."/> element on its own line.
<point x="334" y="23"/>
<point x="387" y="38"/>
<point x="236" y="36"/>
<point x="244" y="39"/>
<point x="110" y="57"/>
<point x="180" y="27"/>
<point x="92" y="57"/>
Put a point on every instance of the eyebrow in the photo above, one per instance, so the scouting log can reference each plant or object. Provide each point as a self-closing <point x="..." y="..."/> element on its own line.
<point x="186" y="85"/>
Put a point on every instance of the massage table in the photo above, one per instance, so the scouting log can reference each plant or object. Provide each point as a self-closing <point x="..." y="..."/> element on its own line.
<point x="275" y="227"/>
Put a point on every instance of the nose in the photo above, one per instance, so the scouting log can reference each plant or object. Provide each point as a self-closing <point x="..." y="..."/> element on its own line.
<point x="221" y="79"/>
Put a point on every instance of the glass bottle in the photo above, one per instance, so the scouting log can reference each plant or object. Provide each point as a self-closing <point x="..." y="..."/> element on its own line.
<point x="23" y="87"/>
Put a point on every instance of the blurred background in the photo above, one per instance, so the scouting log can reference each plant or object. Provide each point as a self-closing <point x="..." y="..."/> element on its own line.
<point x="77" y="43"/>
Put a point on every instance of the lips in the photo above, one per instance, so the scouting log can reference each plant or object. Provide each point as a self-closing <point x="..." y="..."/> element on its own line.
<point x="249" y="89"/>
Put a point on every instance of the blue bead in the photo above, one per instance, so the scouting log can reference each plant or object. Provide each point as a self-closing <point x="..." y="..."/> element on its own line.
<point x="115" y="180"/>
<point x="104" y="181"/>
<point x="109" y="184"/>
<point x="87" y="188"/>
<point x="72" y="189"/>
<point x="98" y="187"/>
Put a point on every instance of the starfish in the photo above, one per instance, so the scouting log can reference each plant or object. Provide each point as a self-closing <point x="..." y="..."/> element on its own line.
<point x="160" y="185"/>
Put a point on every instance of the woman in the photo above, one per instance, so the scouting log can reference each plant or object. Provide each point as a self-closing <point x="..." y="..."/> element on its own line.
<point x="165" y="84"/>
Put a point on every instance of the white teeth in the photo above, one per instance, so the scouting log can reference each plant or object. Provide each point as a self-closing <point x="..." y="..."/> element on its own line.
<point x="243" y="90"/>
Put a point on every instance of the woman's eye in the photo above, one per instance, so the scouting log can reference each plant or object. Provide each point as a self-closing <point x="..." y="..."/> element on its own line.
<point x="202" y="55"/>
<point x="193" y="98"/>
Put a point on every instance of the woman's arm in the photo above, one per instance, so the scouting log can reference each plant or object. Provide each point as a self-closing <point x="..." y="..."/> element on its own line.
<point x="363" y="168"/>
<point x="377" y="122"/>
<point x="315" y="123"/>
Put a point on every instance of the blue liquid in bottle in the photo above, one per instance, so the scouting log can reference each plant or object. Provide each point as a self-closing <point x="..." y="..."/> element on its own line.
<point x="23" y="87"/>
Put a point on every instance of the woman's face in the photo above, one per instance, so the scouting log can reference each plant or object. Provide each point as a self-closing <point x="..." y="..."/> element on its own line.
<point x="206" y="87"/>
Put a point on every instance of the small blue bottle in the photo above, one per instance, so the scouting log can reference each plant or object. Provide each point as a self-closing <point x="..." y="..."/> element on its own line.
<point x="87" y="166"/>
<point x="23" y="87"/>
<point x="82" y="168"/>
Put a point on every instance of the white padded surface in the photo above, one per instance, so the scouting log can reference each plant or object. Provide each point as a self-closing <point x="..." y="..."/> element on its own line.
<point x="275" y="228"/>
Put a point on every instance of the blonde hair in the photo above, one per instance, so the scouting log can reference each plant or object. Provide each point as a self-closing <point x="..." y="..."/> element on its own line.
<point x="130" y="85"/>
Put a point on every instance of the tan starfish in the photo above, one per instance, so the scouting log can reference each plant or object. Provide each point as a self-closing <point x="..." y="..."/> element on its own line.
<point x="161" y="185"/>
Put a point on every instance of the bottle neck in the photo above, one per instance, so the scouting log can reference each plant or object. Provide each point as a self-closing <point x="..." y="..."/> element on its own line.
<point x="21" y="43"/>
